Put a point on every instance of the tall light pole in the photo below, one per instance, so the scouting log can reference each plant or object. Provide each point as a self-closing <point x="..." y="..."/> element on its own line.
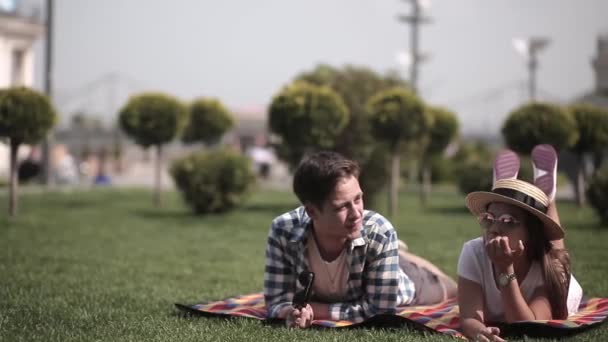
<point x="414" y="19"/>
<point x="529" y="49"/>
<point x="413" y="58"/>
<point x="48" y="90"/>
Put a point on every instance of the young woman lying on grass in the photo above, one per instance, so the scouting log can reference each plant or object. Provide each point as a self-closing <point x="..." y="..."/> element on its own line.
<point x="519" y="269"/>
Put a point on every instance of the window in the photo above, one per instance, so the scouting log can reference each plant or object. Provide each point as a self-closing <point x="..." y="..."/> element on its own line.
<point x="17" y="70"/>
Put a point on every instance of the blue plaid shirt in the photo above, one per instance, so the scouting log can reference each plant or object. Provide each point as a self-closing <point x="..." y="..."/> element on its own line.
<point x="376" y="283"/>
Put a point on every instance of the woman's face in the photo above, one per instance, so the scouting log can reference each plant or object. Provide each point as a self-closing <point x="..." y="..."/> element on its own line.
<point x="509" y="221"/>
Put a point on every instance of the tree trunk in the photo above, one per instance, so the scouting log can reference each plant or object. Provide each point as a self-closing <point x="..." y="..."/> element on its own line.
<point x="598" y="159"/>
<point x="157" y="175"/>
<point x="425" y="187"/>
<point x="13" y="180"/>
<point x="580" y="181"/>
<point x="394" y="185"/>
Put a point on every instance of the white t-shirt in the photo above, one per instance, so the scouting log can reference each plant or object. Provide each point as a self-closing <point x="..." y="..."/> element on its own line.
<point x="475" y="265"/>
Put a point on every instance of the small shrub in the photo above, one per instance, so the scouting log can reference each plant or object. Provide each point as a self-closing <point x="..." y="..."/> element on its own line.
<point x="442" y="170"/>
<point x="212" y="182"/>
<point x="597" y="193"/>
<point x="473" y="167"/>
<point x="475" y="176"/>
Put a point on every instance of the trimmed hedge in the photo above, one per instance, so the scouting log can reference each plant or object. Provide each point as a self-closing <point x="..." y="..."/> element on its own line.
<point x="213" y="182"/>
<point x="597" y="193"/>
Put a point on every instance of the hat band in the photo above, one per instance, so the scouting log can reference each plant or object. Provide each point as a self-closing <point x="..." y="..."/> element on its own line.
<point x="521" y="197"/>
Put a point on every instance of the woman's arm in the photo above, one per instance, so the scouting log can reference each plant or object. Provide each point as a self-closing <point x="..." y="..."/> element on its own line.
<point x="470" y="301"/>
<point x="516" y="307"/>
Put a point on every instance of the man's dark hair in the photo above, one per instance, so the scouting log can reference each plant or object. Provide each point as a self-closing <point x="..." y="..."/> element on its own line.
<point x="318" y="174"/>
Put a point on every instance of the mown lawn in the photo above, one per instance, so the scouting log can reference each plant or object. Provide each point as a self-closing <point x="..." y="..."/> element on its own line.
<point x="105" y="265"/>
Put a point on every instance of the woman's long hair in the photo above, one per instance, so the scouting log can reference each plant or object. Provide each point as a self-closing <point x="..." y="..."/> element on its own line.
<point x="555" y="264"/>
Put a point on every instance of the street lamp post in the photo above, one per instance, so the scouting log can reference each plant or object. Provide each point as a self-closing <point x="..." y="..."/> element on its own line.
<point x="414" y="19"/>
<point x="46" y="176"/>
<point x="412" y="59"/>
<point x="529" y="49"/>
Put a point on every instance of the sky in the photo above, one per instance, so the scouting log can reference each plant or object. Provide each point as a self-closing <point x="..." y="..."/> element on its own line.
<point x="243" y="52"/>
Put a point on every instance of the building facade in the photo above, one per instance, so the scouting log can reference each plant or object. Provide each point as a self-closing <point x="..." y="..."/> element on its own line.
<point x="18" y="33"/>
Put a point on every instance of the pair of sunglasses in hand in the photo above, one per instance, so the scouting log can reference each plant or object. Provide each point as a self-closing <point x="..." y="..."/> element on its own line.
<point x="301" y="298"/>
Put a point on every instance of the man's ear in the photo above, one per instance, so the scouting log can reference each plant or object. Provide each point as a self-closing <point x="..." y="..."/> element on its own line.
<point x="312" y="210"/>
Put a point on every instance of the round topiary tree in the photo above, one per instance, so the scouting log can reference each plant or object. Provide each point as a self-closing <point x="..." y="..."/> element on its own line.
<point x="152" y="119"/>
<point x="212" y="182"/>
<point x="306" y="118"/>
<point x="443" y="131"/>
<point x="473" y="167"/>
<point x="208" y="120"/>
<point x="398" y="117"/>
<point x="26" y="116"/>
<point x="539" y="123"/>
<point x="592" y="124"/>
<point x="356" y="85"/>
<point x="597" y="193"/>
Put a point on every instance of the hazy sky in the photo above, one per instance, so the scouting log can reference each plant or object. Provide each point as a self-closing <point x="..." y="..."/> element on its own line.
<point x="243" y="52"/>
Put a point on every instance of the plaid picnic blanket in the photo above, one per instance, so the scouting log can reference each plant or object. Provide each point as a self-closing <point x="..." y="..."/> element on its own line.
<point x="442" y="317"/>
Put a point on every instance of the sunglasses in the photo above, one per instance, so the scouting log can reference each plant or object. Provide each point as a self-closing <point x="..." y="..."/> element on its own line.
<point x="504" y="222"/>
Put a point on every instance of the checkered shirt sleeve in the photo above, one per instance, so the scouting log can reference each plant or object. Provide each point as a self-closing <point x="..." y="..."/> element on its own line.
<point x="279" y="279"/>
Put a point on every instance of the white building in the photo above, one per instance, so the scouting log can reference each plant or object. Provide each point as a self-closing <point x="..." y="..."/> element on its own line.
<point x="17" y="36"/>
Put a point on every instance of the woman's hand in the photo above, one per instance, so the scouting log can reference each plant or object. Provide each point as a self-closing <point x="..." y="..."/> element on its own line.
<point x="488" y="334"/>
<point x="500" y="253"/>
<point x="300" y="318"/>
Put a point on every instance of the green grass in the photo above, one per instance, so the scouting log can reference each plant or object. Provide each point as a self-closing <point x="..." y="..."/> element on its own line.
<point x="105" y="266"/>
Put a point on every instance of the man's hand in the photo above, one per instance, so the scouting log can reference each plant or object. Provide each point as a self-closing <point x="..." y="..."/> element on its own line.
<point x="500" y="252"/>
<point x="300" y="318"/>
<point x="488" y="334"/>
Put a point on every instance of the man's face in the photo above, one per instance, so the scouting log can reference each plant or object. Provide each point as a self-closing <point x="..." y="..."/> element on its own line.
<point x="341" y="214"/>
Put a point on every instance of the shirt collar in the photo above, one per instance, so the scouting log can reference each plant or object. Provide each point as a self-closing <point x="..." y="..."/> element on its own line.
<point x="300" y="232"/>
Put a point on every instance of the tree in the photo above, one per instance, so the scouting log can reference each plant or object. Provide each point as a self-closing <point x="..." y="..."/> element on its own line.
<point x="397" y="117"/>
<point x="152" y="119"/>
<point x="306" y="118"/>
<point x="443" y="130"/>
<point x="356" y="85"/>
<point x="592" y="124"/>
<point x="208" y="120"/>
<point x="539" y="123"/>
<point x="473" y="167"/>
<point x="26" y="116"/>
<point x="597" y="193"/>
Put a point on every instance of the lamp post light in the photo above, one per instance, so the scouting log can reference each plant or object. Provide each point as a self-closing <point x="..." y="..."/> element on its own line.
<point x="47" y="143"/>
<point x="414" y="19"/>
<point x="529" y="49"/>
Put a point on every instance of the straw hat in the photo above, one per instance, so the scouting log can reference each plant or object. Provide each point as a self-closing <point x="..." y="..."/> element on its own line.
<point x="518" y="193"/>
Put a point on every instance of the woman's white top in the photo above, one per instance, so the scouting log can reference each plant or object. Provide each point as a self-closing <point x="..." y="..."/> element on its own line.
<point x="475" y="265"/>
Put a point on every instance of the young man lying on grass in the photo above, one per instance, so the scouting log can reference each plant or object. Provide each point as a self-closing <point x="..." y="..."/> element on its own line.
<point x="360" y="271"/>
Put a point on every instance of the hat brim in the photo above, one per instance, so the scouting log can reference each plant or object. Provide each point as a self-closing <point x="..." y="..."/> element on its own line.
<point x="477" y="202"/>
